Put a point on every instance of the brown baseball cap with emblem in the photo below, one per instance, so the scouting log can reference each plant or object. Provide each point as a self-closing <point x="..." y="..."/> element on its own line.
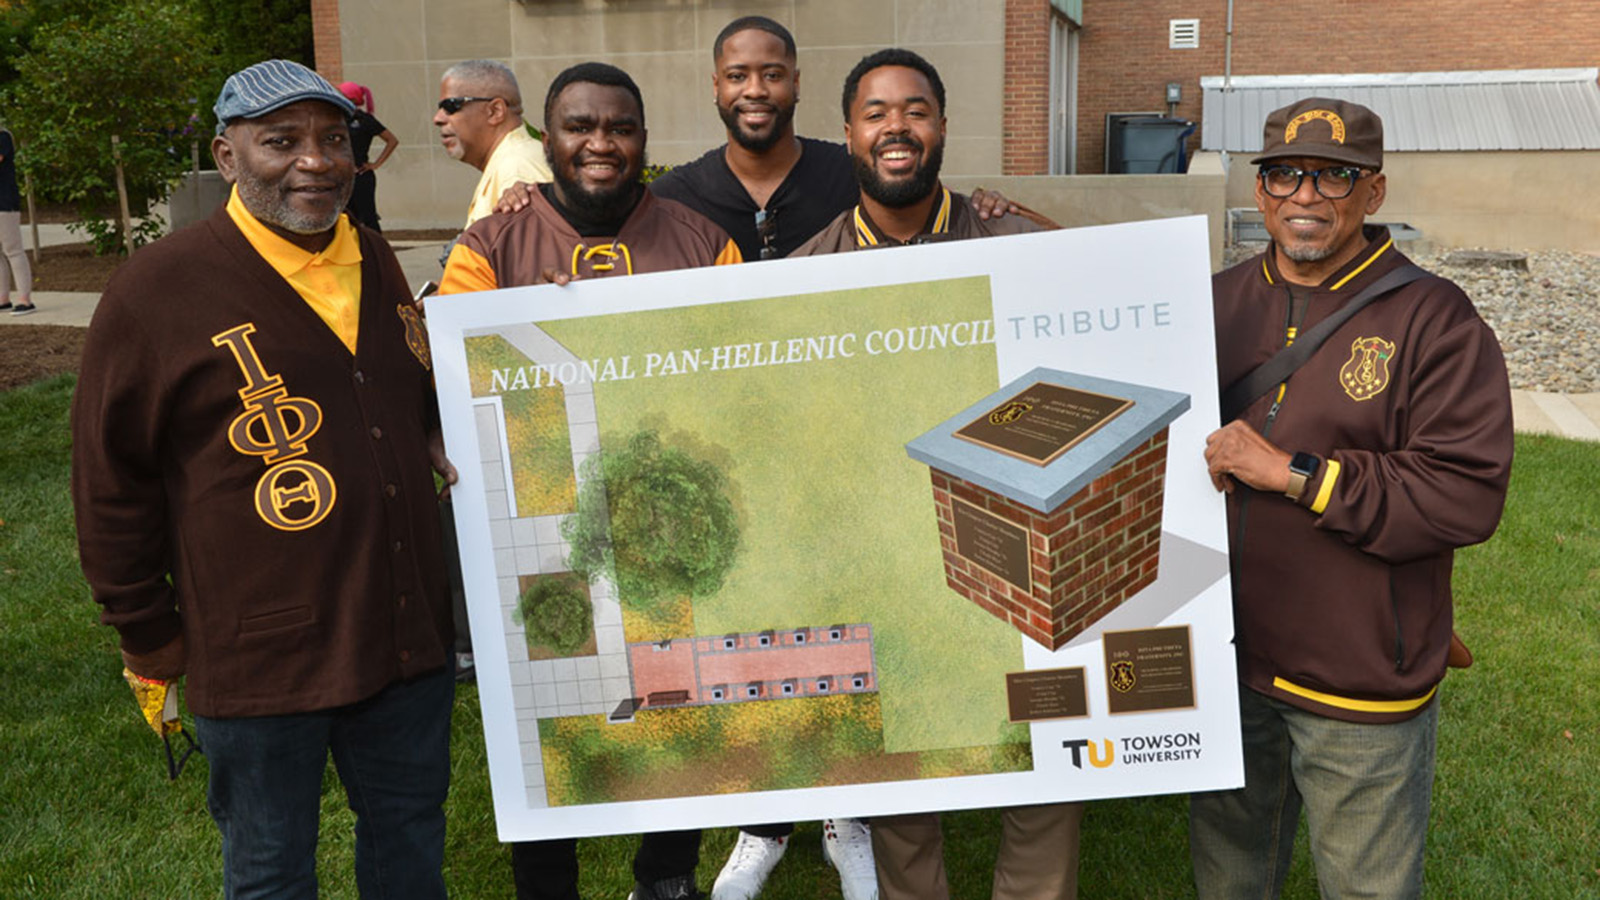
<point x="1328" y="129"/>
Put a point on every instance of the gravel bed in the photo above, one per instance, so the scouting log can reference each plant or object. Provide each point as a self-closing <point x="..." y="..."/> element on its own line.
<point x="1547" y="318"/>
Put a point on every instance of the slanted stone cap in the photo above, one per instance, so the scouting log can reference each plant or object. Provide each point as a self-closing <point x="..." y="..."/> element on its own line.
<point x="1046" y="486"/>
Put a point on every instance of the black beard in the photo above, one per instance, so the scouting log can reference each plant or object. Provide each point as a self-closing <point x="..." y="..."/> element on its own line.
<point x="757" y="143"/>
<point x="900" y="194"/>
<point x="611" y="205"/>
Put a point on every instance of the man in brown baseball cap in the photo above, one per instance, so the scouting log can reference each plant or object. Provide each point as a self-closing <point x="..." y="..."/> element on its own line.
<point x="1366" y="435"/>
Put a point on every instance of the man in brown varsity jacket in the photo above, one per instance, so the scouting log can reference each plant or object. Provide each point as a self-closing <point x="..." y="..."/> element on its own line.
<point x="255" y="506"/>
<point x="1350" y="486"/>
<point x="893" y="103"/>
<point x="594" y="220"/>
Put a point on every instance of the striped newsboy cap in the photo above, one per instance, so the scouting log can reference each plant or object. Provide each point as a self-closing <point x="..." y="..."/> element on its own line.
<point x="271" y="85"/>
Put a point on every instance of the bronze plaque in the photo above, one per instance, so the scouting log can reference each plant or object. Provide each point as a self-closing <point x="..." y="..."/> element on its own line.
<point x="992" y="542"/>
<point x="1047" y="694"/>
<point x="1043" y="422"/>
<point x="1149" y="669"/>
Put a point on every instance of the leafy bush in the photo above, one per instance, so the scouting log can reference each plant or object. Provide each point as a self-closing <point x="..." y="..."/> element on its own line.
<point x="557" y="613"/>
<point x="135" y="72"/>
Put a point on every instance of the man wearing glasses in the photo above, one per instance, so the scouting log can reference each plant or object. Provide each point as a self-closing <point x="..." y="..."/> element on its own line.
<point x="1350" y="483"/>
<point x="480" y="123"/>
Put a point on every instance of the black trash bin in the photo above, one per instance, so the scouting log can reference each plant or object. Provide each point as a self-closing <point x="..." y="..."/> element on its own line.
<point x="1143" y="145"/>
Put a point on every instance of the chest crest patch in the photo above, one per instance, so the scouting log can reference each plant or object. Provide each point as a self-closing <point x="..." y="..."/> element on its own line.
<point x="416" y="334"/>
<point x="1366" y="373"/>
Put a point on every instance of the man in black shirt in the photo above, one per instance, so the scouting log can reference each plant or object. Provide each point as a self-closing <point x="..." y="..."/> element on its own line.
<point x="768" y="188"/>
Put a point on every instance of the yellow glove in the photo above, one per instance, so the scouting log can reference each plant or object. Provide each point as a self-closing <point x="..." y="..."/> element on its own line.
<point x="157" y="701"/>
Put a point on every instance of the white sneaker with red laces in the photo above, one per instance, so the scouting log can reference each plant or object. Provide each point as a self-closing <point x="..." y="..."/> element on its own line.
<point x="847" y="843"/>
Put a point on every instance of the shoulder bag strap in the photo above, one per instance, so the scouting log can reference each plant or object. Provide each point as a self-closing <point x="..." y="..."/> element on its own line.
<point x="1239" y="395"/>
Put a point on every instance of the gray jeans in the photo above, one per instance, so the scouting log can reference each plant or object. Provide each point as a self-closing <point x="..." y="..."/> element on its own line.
<point x="1365" y="790"/>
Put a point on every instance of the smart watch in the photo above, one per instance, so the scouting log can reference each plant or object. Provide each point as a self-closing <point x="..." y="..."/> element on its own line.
<point x="1302" y="468"/>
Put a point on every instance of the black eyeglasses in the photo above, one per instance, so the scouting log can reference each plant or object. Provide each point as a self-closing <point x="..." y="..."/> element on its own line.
<point x="1334" y="182"/>
<point x="453" y="105"/>
<point x="767" y="231"/>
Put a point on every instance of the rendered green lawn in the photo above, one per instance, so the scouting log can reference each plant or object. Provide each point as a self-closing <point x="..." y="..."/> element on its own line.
<point x="837" y="521"/>
<point x="86" y="812"/>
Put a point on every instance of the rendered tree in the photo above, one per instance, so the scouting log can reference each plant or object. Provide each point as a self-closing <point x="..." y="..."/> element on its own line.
<point x="121" y="88"/>
<point x="672" y="530"/>
<point x="557" y="614"/>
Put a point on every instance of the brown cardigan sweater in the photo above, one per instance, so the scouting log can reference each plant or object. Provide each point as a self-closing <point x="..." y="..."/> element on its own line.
<point x="238" y="475"/>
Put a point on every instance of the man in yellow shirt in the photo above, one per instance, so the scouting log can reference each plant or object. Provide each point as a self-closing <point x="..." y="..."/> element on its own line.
<point x="480" y="123"/>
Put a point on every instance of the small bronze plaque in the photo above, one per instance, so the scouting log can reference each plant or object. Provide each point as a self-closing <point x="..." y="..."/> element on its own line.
<point x="1043" y="422"/>
<point x="1047" y="694"/>
<point x="1149" y="669"/>
<point x="992" y="542"/>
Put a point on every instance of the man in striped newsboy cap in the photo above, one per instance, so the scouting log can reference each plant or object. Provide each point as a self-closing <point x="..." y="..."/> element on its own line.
<point x="255" y="502"/>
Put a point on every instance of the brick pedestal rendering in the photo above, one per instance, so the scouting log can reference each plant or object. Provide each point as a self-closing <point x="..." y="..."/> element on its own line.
<point x="1099" y="549"/>
<point x="1052" y="547"/>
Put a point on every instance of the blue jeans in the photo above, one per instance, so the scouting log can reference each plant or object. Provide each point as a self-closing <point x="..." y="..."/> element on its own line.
<point x="1365" y="790"/>
<point x="392" y="752"/>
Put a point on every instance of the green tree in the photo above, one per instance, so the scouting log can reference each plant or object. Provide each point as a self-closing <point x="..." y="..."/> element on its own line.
<point x="133" y="72"/>
<point x="557" y="613"/>
<point x="672" y="529"/>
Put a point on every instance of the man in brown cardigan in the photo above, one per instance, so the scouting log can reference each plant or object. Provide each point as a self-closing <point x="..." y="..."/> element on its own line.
<point x="255" y="505"/>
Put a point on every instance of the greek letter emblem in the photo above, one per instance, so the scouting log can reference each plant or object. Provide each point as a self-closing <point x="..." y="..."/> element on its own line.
<point x="293" y="494"/>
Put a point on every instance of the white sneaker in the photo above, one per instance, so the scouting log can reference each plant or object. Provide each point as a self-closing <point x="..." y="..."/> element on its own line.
<point x="752" y="860"/>
<point x="847" y="843"/>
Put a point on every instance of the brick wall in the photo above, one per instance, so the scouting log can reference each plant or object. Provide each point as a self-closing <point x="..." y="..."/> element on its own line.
<point x="1098" y="549"/>
<point x="1125" y="64"/>
<point x="325" y="39"/>
<point x="1025" y="146"/>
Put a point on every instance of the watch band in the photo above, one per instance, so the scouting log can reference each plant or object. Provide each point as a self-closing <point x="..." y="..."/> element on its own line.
<point x="1302" y="468"/>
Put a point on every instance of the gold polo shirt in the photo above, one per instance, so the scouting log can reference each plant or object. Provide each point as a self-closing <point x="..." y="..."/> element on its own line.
<point x="329" y="280"/>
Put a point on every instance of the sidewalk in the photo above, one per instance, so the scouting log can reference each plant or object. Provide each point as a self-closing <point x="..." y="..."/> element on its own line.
<point x="1568" y="415"/>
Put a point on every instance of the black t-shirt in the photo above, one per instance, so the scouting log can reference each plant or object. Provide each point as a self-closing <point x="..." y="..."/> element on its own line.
<point x="363" y="128"/>
<point x="10" y="199"/>
<point x="821" y="185"/>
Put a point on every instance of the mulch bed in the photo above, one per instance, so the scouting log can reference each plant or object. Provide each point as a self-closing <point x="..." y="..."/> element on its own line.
<point x="71" y="267"/>
<point x="30" y="353"/>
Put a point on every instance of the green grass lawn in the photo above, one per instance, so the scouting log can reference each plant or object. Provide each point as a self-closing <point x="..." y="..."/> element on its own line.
<point x="86" y="812"/>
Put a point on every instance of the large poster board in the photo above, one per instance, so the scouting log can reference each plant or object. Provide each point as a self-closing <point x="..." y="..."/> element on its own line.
<point x="709" y="531"/>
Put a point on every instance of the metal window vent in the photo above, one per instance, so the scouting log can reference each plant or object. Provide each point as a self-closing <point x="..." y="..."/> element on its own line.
<point x="1183" y="34"/>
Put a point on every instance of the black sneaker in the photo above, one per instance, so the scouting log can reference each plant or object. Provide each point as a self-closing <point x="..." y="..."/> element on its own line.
<point x="5" y="306"/>
<point x="22" y="309"/>
<point x="678" y="887"/>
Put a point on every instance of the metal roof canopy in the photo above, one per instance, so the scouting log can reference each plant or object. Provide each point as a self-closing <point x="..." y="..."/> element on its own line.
<point x="1509" y="109"/>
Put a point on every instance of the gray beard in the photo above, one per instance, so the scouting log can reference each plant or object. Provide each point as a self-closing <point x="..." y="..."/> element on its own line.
<point x="1306" y="254"/>
<point x="267" y="205"/>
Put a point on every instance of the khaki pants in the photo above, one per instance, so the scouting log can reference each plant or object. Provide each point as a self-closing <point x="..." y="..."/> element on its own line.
<point x="17" y="274"/>
<point x="1038" y="854"/>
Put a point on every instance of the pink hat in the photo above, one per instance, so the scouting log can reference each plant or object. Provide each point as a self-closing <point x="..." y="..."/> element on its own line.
<point x="357" y="94"/>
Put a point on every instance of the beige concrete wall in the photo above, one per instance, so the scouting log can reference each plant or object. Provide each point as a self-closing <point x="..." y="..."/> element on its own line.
<point x="1513" y="200"/>
<point x="399" y="48"/>
<point x="1078" y="200"/>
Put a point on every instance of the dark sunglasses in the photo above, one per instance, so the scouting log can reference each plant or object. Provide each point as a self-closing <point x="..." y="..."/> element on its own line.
<point x="453" y="105"/>
<point x="767" y="231"/>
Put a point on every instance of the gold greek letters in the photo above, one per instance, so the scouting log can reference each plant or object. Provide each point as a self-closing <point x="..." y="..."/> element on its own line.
<point x="294" y="494"/>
